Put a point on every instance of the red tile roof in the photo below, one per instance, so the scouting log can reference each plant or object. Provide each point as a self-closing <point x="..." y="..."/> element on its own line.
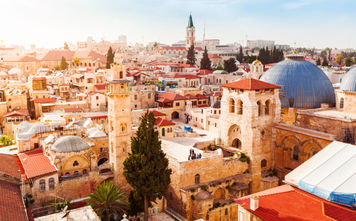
<point x="205" y="72"/>
<point x="186" y="76"/>
<point x="56" y="55"/>
<point x="290" y="203"/>
<point x="169" y="97"/>
<point x="11" y="203"/>
<point x="100" y="86"/>
<point x="162" y="122"/>
<point x="201" y="96"/>
<point x="27" y="59"/>
<point x="9" y="165"/>
<point x="45" y="100"/>
<point x="250" y="84"/>
<point x="35" y="163"/>
<point x="14" y="113"/>
<point x="157" y="113"/>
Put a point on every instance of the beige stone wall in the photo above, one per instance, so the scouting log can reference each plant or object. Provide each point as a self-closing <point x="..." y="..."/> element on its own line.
<point x="349" y="101"/>
<point x="288" y="137"/>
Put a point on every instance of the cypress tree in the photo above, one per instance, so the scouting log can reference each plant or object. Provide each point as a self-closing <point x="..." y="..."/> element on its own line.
<point x="191" y="55"/>
<point x="318" y="62"/>
<point x="64" y="64"/>
<point x="205" y="62"/>
<point x="325" y="61"/>
<point x="109" y="58"/>
<point x="240" y="56"/>
<point x="146" y="167"/>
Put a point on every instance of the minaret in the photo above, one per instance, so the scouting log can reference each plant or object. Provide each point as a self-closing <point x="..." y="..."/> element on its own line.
<point x="190" y="32"/>
<point x="119" y="114"/>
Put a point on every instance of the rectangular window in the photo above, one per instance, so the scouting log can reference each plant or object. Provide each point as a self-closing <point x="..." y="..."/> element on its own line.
<point x="51" y="183"/>
<point x="177" y="104"/>
<point x="42" y="185"/>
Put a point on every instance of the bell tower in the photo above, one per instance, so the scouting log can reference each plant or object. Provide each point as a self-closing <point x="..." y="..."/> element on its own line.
<point x="249" y="109"/>
<point x="190" y="39"/>
<point x="119" y="116"/>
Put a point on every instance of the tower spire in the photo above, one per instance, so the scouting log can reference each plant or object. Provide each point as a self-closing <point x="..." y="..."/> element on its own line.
<point x="190" y="22"/>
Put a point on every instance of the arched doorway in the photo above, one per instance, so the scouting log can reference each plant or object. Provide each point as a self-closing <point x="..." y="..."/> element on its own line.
<point x="175" y="115"/>
<point x="219" y="195"/>
<point x="102" y="160"/>
<point x="236" y="143"/>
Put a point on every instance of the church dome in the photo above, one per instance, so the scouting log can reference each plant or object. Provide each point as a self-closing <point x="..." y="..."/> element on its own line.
<point x="256" y="62"/>
<point x="304" y="85"/>
<point x="69" y="144"/>
<point x="348" y="82"/>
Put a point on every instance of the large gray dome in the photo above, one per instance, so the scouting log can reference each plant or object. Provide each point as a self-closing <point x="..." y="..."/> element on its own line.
<point x="303" y="84"/>
<point x="70" y="144"/>
<point x="348" y="82"/>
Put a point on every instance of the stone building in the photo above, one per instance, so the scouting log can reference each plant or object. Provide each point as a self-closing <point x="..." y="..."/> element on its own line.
<point x="249" y="109"/>
<point x="119" y="114"/>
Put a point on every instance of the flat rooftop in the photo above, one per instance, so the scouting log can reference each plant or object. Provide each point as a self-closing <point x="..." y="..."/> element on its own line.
<point x="330" y="113"/>
<point x="179" y="147"/>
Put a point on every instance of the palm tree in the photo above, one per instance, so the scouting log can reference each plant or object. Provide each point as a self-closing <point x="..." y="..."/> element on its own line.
<point x="108" y="200"/>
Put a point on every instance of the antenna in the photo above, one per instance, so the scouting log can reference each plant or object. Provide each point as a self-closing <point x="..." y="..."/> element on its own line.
<point x="204" y="36"/>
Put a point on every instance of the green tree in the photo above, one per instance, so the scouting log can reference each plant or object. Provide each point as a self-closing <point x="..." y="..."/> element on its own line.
<point x="205" y="62"/>
<point x="64" y="64"/>
<point x="219" y="67"/>
<point x="325" y="61"/>
<point x="318" y="62"/>
<point x="240" y="55"/>
<point x="230" y="65"/>
<point x="5" y="140"/>
<point x="146" y="167"/>
<point x="339" y="58"/>
<point x="109" y="58"/>
<point x="348" y="62"/>
<point x="108" y="200"/>
<point x="191" y="55"/>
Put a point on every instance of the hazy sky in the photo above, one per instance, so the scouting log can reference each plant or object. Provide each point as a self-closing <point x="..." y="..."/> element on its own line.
<point x="49" y="23"/>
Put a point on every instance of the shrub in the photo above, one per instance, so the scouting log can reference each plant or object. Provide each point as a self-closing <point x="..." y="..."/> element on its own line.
<point x="203" y="188"/>
<point x="192" y="197"/>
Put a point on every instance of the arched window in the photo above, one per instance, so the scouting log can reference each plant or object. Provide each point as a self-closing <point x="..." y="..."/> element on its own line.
<point x="51" y="183"/>
<point x="342" y="103"/>
<point x="240" y="107"/>
<point x="296" y="153"/>
<point x="42" y="185"/>
<point x="197" y="178"/>
<point x="85" y="171"/>
<point x="121" y="74"/>
<point x="263" y="163"/>
<point x="259" y="106"/>
<point x="267" y="107"/>
<point x="75" y="163"/>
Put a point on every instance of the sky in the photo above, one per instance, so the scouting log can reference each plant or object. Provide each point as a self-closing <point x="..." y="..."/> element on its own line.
<point x="50" y="23"/>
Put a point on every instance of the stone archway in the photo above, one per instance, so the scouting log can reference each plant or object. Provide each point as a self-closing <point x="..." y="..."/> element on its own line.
<point x="236" y="143"/>
<point x="175" y="115"/>
<point x="310" y="148"/>
<point x="219" y="195"/>
<point x="102" y="161"/>
<point x="234" y="136"/>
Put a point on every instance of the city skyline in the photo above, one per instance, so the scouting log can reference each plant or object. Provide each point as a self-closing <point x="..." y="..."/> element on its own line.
<point x="313" y="23"/>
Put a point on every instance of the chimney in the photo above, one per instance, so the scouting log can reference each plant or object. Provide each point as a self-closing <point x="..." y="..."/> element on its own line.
<point x="254" y="201"/>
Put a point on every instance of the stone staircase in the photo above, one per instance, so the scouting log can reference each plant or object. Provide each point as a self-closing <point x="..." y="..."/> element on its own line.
<point x="175" y="215"/>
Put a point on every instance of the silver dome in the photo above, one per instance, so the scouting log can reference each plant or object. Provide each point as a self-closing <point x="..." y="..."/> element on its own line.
<point x="69" y="144"/>
<point x="304" y="85"/>
<point x="348" y="82"/>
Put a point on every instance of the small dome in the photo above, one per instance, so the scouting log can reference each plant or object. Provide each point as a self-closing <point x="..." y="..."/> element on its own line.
<point x="257" y="62"/>
<point x="69" y="144"/>
<point x="204" y="195"/>
<point x="3" y="73"/>
<point x="15" y="71"/>
<point x="304" y="85"/>
<point x="348" y="82"/>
